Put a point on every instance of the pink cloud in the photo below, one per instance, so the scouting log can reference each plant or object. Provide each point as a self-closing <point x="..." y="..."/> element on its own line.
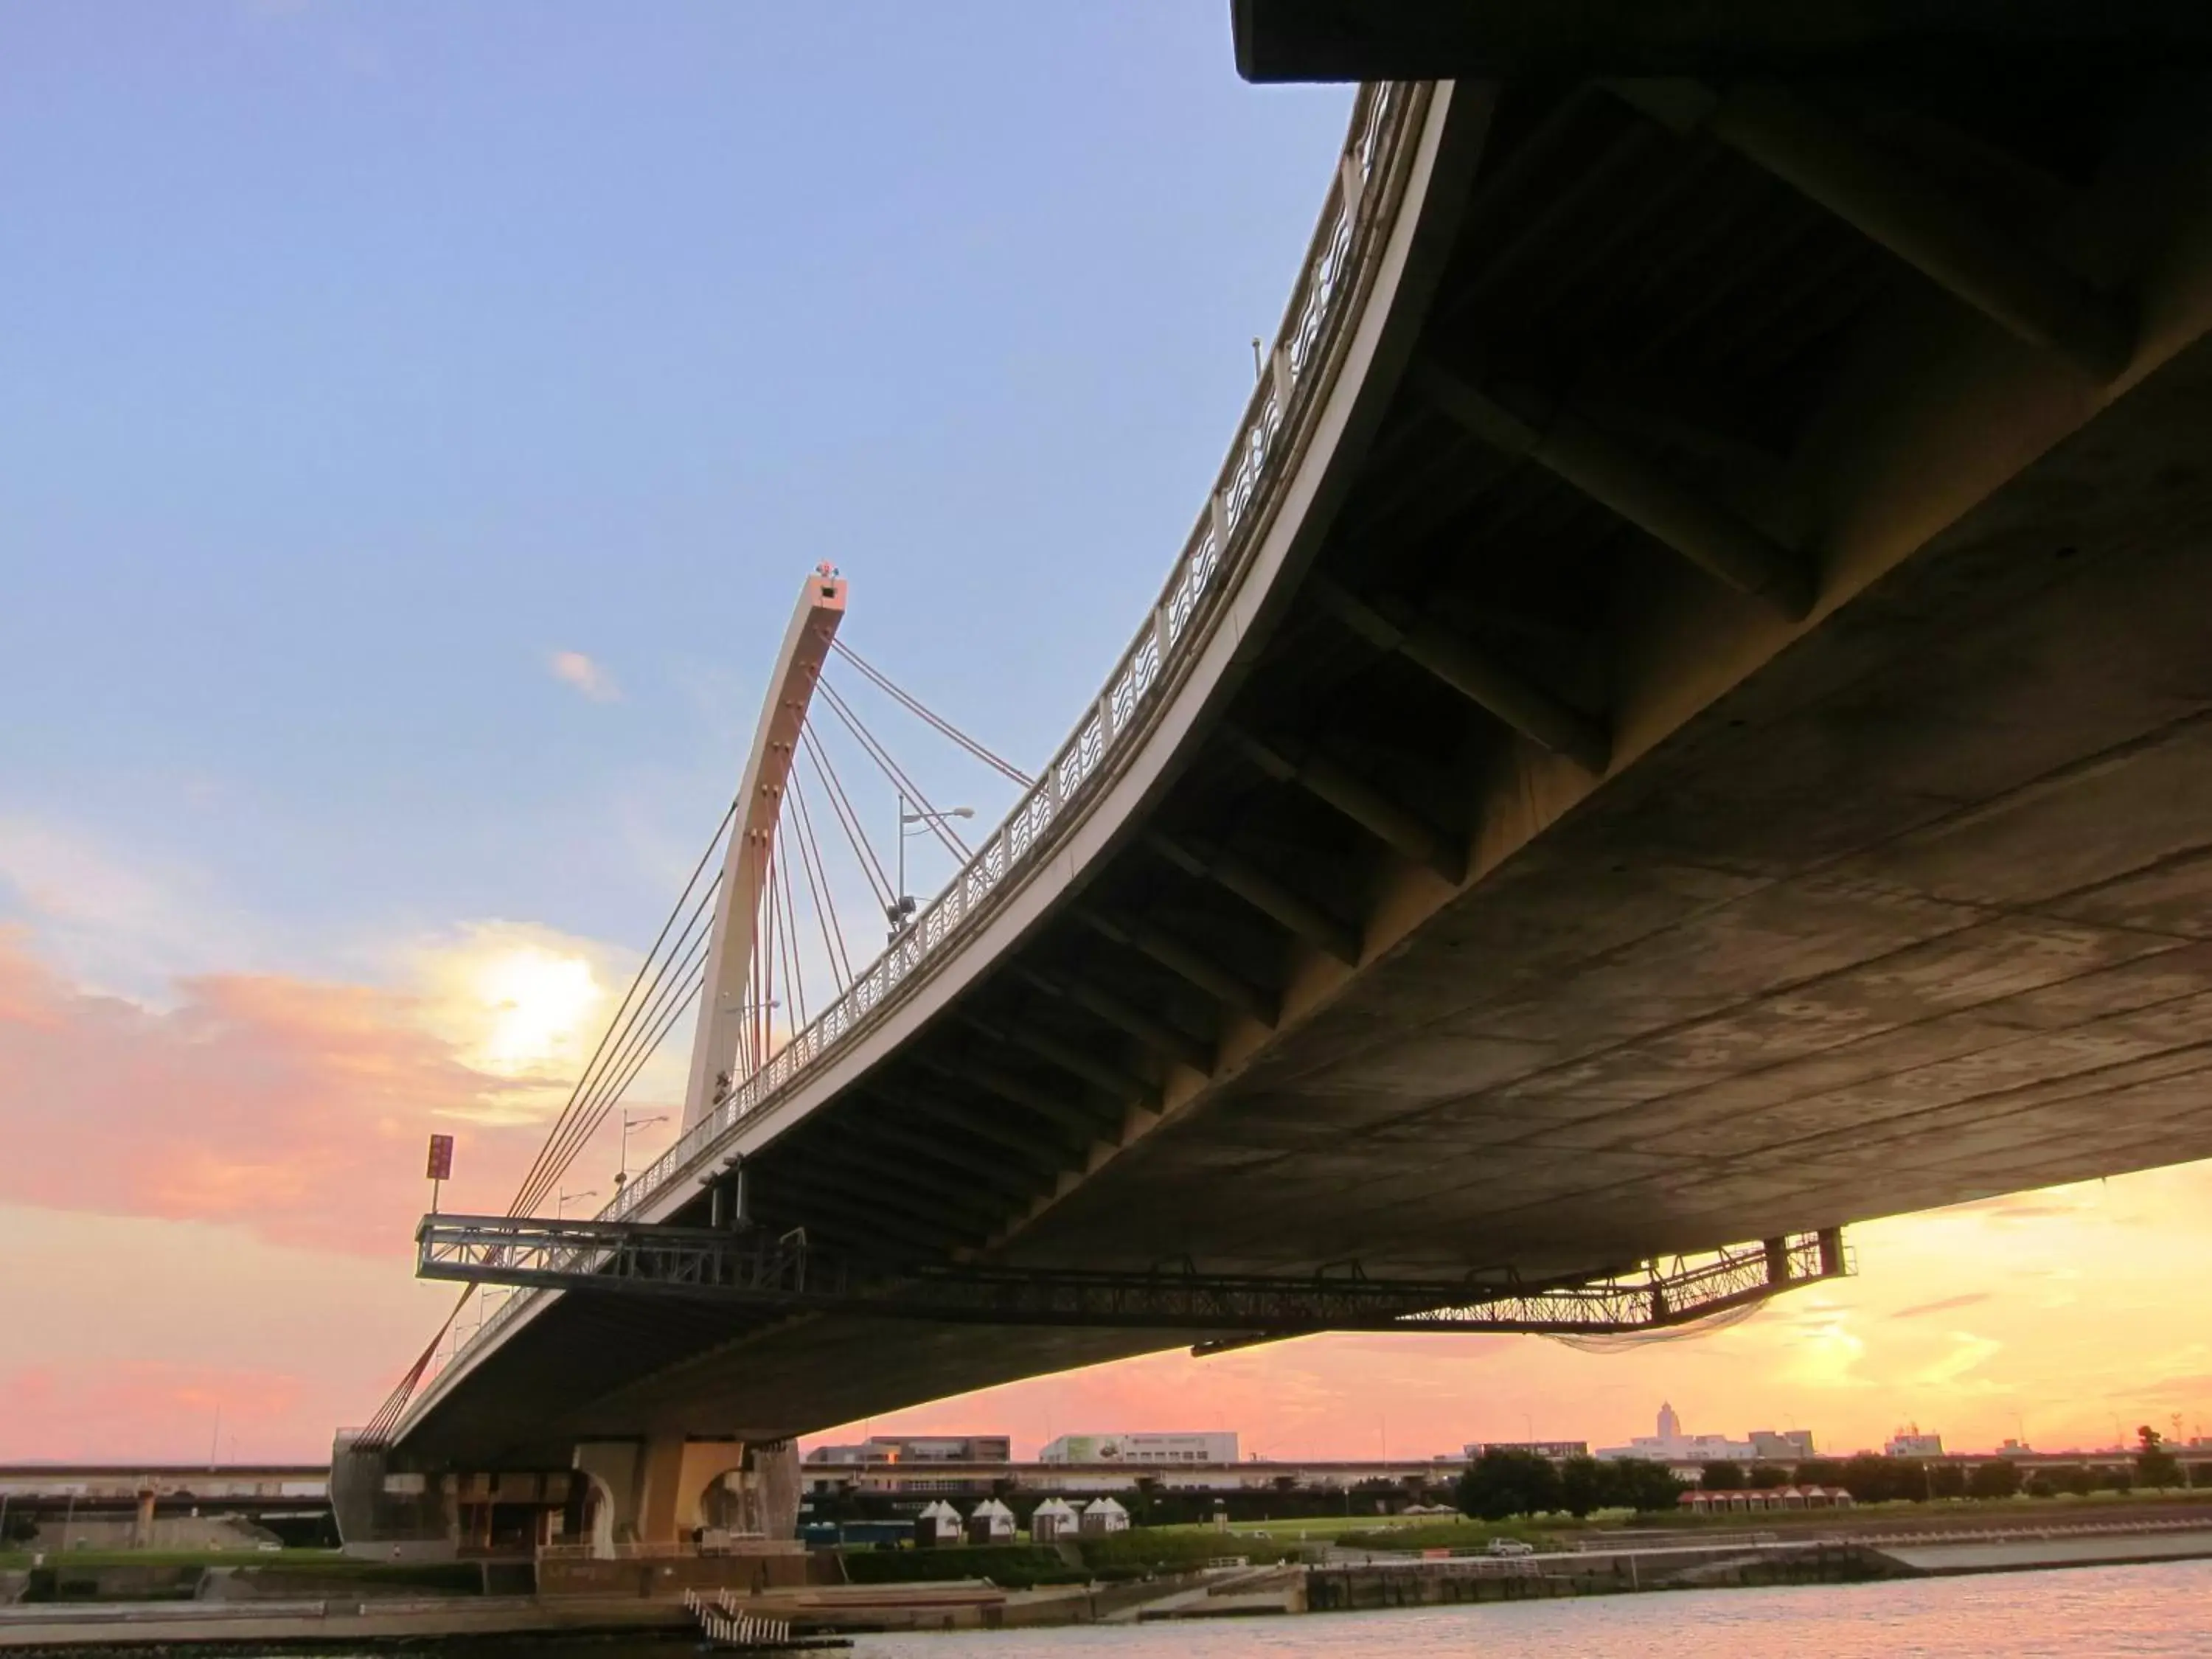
<point x="154" y="1409"/>
<point x="294" y="1108"/>
<point x="574" y="668"/>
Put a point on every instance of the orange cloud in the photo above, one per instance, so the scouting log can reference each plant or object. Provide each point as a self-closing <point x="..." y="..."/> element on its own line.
<point x="125" y="1338"/>
<point x="293" y="1109"/>
<point x="2063" y="1316"/>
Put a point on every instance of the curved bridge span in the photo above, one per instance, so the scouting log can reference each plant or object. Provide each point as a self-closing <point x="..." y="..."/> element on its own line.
<point x="1685" y="720"/>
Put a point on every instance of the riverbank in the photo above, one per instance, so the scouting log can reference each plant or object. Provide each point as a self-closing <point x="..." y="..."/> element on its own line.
<point x="271" y="1627"/>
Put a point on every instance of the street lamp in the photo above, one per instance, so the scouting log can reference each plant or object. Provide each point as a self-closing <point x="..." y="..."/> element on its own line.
<point x="900" y="910"/>
<point x="632" y="1120"/>
<point x="561" y="1200"/>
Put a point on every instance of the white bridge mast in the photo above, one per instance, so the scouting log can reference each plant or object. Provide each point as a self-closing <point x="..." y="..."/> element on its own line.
<point x="725" y="998"/>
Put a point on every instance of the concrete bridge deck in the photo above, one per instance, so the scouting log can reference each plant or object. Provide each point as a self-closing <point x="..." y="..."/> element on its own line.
<point x="1700" y="728"/>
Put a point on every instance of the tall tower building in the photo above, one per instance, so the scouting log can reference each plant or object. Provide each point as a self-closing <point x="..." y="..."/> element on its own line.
<point x="1670" y="1426"/>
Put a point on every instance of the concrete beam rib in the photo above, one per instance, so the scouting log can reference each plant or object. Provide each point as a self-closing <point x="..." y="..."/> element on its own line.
<point x="895" y="1215"/>
<point x="1047" y="1157"/>
<point x="1048" y="1103"/>
<point x="1716" y="541"/>
<point x="1527" y="708"/>
<point x="1358" y="800"/>
<point x="1156" y="1034"/>
<point x="825" y="1215"/>
<point x="1178" y="957"/>
<point x="1262" y="892"/>
<point x="1016" y="1182"/>
<point x="950" y="1188"/>
<point x="1118" y="1083"/>
<point x="2027" y="294"/>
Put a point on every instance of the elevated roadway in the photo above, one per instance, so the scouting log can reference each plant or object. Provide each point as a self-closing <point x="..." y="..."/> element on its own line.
<point x="1688" y="716"/>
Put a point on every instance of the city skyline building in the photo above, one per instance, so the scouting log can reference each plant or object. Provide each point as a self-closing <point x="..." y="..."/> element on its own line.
<point x="1180" y="1446"/>
<point x="919" y="1449"/>
<point x="1671" y="1446"/>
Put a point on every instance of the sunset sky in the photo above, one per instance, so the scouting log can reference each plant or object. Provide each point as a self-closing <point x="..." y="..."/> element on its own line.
<point x="416" y="419"/>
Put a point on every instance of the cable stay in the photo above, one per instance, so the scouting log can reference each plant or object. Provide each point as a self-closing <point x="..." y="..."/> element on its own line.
<point x="764" y="935"/>
<point x="913" y="705"/>
<point x="905" y="787"/>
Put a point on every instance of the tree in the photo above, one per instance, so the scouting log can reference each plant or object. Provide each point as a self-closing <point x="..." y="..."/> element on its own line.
<point x="1582" y="1485"/>
<point x="1507" y="1481"/>
<point x="1638" y="1484"/>
<point x="2155" y="1465"/>
<point x="1820" y="1471"/>
<point x="1721" y="1477"/>
<point x="1871" y="1478"/>
<point x="1765" y="1477"/>
<point x="1998" y="1478"/>
<point x="1946" y="1480"/>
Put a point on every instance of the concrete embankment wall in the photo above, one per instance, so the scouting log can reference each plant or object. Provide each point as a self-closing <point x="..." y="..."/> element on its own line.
<point x="1433" y="1583"/>
<point x="2029" y="1555"/>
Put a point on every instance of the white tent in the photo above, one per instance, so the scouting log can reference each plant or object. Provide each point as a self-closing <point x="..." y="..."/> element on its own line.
<point x="938" y="1523"/>
<point x="1104" y="1514"/>
<point x="991" y="1522"/>
<point x="1054" y="1518"/>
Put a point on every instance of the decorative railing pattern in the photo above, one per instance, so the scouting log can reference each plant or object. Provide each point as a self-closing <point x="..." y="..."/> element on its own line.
<point x="1317" y="313"/>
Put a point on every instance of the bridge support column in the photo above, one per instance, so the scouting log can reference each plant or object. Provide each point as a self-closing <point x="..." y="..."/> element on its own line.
<point x="387" y="1513"/>
<point x="655" y="1491"/>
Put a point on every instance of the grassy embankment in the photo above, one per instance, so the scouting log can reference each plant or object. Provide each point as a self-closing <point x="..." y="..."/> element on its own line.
<point x="174" y="1574"/>
<point x="18" y="1557"/>
<point x="1140" y="1552"/>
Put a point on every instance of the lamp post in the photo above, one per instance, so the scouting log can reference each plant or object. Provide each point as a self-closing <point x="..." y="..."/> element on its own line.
<point x="633" y="1121"/>
<point x="561" y="1200"/>
<point x="899" y="911"/>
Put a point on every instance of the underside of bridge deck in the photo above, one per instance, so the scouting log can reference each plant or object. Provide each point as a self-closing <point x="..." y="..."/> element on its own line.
<point x="1727" y="753"/>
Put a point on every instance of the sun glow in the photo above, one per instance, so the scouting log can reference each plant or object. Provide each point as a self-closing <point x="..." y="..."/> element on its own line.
<point x="521" y="1003"/>
<point x="538" y="1005"/>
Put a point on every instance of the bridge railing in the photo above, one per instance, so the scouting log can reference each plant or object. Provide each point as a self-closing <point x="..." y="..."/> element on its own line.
<point x="1219" y="545"/>
<point x="1316" y="311"/>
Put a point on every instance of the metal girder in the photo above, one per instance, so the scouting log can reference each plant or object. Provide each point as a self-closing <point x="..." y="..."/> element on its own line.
<point x="1526" y="707"/>
<point x="747" y="1271"/>
<point x="1982" y="41"/>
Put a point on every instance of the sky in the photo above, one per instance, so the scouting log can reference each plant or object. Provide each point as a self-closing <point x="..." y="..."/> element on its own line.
<point x="414" y="422"/>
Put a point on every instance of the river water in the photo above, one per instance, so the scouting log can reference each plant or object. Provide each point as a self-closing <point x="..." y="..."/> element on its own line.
<point x="2163" y="1610"/>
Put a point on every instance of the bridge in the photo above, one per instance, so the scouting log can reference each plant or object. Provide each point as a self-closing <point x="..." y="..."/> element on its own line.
<point x="1681" y="725"/>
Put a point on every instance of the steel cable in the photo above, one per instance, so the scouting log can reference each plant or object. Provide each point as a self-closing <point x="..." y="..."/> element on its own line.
<point x="872" y="747"/>
<point x="882" y="682"/>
